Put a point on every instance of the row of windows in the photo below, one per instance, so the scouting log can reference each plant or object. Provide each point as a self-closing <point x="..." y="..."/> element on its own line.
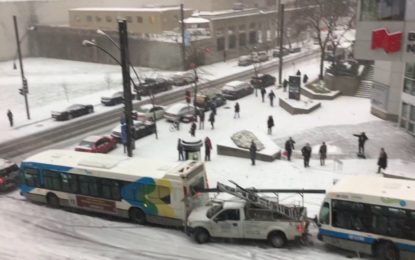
<point x="381" y="10"/>
<point x="110" y="19"/>
<point x="375" y="219"/>
<point x="407" y="119"/>
<point x="93" y="186"/>
<point x="252" y="39"/>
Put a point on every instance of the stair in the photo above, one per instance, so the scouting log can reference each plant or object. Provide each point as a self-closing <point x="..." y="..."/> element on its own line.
<point x="366" y="82"/>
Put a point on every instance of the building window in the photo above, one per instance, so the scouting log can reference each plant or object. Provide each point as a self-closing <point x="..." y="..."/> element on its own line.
<point x="242" y="39"/>
<point x="89" y="18"/>
<point x="409" y="80"/>
<point x="253" y="37"/>
<point x="379" y="10"/>
<point x="232" y="41"/>
<point x="139" y="19"/>
<point x="220" y="44"/>
<point x="242" y="27"/>
<point x="77" y="18"/>
<point x="252" y="26"/>
<point x="404" y="115"/>
<point x="108" y="19"/>
<point x="98" y="19"/>
<point x="129" y="19"/>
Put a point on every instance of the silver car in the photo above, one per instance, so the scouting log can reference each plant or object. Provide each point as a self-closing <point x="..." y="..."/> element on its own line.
<point x="179" y="112"/>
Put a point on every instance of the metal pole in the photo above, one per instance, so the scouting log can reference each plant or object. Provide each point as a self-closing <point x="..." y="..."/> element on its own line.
<point x="24" y="80"/>
<point x="122" y="29"/>
<point x="281" y="33"/>
<point x="194" y="95"/>
<point x="154" y="113"/>
<point x="183" y="44"/>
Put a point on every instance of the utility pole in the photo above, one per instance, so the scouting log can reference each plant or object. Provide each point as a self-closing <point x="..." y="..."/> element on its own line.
<point x="25" y="89"/>
<point x="183" y="36"/>
<point x="281" y="38"/>
<point x="125" y="68"/>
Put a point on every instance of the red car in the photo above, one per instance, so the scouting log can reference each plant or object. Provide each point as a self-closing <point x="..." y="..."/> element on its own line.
<point x="97" y="144"/>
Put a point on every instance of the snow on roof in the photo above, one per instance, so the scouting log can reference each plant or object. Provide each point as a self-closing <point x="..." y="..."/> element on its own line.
<point x="120" y="9"/>
<point x="194" y="19"/>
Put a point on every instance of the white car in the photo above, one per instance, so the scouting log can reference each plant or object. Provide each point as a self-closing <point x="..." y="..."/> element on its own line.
<point x="179" y="112"/>
<point x="146" y="112"/>
<point x="183" y="78"/>
<point x="260" y="56"/>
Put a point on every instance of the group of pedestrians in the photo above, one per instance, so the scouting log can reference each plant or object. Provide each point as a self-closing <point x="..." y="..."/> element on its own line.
<point x="183" y="156"/>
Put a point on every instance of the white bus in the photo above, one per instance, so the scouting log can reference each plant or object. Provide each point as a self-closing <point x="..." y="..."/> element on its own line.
<point x="139" y="189"/>
<point x="371" y="215"/>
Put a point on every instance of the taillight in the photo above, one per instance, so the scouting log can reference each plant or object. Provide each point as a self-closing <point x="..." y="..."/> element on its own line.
<point x="300" y="228"/>
<point x="2" y="180"/>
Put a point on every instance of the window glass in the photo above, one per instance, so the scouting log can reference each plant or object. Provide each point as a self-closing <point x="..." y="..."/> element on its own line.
<point x="220" y="44"/>
<point x="412" y="113"/>
<point x="52" y="180"/>
<point x="31" y="177"/>
<point x="139" y="19"/>
<point x="230" y="214"/>
<point x="232" y="41"/>
<point x="325" y="214"/>
<point x="375" y="10"/>
<point x="69" y="183"/>
<point x="404" y="112"/>
<point x="242" y="39"/>
<point x="110" y="189"/>
<point x="98" y="18"/>
<point x="88" y="185"/>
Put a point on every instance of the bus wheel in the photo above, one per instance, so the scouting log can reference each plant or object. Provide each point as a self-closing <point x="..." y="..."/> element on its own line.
<point x="277" y="239"/>
<point x="201" y="236"/>
<point x="138" y="216"/>
<point x="387" y="251"/>
<point x="52" y="200"/>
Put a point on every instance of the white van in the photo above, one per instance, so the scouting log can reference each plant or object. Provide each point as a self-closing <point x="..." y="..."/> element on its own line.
<point x="237" y="89"/>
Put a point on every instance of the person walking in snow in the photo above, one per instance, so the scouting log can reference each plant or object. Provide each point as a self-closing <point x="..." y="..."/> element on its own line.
<point x="202" y="119"/>
<point x="208" y="148"/>
<point x="285" y="85"/>
<point x="237" y="109"/>
<point x="252" y="152"/>
<point x="193" y="129"/>
<point x="263" y="92"/>
<point x="305" y="79"/>
<point x="382" y="160"/>
<point x="10" y="116"/>
<point x="362" y="138"/>
<point x="289" y="147"/>
<point x="180" y="149"/>
<point x="271" y="96"/>
<point x="306" y="151"/>
<point x="298" y="73"/>
<point x="212" y="119"/>
<point x="323" y="154"/>
<point x="270" y="124"/>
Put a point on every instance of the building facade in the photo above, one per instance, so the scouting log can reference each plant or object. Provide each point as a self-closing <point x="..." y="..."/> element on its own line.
<point x="386" y="34"/>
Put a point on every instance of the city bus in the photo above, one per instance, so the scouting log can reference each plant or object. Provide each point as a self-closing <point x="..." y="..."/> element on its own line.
<point x="139" y="189"/>
<point x="371" y="215"/>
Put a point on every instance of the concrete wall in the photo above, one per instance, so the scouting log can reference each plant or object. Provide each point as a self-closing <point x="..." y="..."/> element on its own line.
<point x="346" y="85"/>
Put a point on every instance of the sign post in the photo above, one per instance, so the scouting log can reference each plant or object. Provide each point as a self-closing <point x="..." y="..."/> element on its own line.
<point x="294" y="87"/>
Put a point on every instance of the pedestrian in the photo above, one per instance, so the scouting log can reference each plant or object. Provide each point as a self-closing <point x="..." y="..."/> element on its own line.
<point x="202" y="119"/>
<point x="263" y="92"/>
<point x="213" y="108"/>
<point x="10" y="116"/>
<point x="208" y="148"/>
<point x="212" y="119"/>
<point x="237" y="109"/>
<point x="305" y="78"/>
<point x="285" y="85"/>
<point x="271" y="96"/>
<point x="382" y="160"/>
<point x="252" y="152"/>
<point x="306" y="151"/>
<point x="362" y="138"/>
<point x="270" y="124"/>
<point x="289" y="147"/>
<point x="323" y="154"/>
<point x="193" y="129"/>
<point x="180" y="149"/>
<point x="298" y="73"/>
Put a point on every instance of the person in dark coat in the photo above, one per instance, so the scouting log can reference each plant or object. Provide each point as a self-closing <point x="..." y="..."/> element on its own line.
<point x="252" y="152"/>
<point x="298" y="73"/>
<point x="263" y="92"/>
<point x="306" y="151"/>
<point x="382" y="160"/>
<point x="285" y="85"/>
<point x="212" y="119"/>
<point x="271" y="96"/>
<point x="202" y="119"/>
<point x="213" y="108"/>
<point x="237" y="109"/>
<point x="208" y="148"/>
<point x="289" y="147"/>
<point x="193" y="129"/>
<point x="323" y="154"/>
<point x="270" y="124"/>
<point x="10" y="116"/>
<point x="362" y="138"/>
<point x="180" y="149"/>
<point x="305" y="78"/>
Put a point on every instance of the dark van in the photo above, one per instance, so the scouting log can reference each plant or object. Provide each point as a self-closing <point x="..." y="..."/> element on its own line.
<point x="9" y="174"/>
<point x="237" y="89"/>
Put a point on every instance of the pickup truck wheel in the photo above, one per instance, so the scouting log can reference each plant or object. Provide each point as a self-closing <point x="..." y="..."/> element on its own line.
<point x="277" y="239"/>
<point x="138" y="216"/>
<point x="387" y="251"/>
<point x="201" y="236"/>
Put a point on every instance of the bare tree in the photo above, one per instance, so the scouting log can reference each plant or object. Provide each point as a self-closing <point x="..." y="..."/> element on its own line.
<point x="65" y="90"/>
<point x="108" y="80"/>
<point x="324" y="18"/>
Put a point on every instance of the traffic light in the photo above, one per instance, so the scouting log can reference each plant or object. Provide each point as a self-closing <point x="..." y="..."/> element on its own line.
<point x="22" y="91"/>
<point x="188" y="96"/>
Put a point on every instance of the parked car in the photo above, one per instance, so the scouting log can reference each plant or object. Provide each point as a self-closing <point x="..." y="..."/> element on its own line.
<point x="260" y="56"/>
<point x="154" y="86"/>
<point x="97" y="144"/>
<point x="245" y="60"/>
<point x="180" y="112"/>
<point x="9" y="173"/>
<point x="205" y="102"/>
<point x="262" y="81"/>
<point x="276" y="52"/>
<point x="140" y="129"/>
<point x="183" y="78"/>
<point x="113" y="99"/>
<point x="72" y="111"/>
<point x="295" y="50"/>
<point x="236" y="89"/>
<point x="147" y="111"/>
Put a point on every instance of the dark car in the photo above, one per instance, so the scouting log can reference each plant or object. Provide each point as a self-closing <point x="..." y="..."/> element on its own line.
<point x="276" y="52"/>
<point x="97" y="144"/>
<point x="205" y="102"/>
<point x="140" y="129"/>
<point x="114" y="99"/>
<point x="9" y="173"/>
<point x="236" y="89"/>
<point x="72" y="112"/>
<point x="154" y="86"/>
<point x="183" y="78"/>
<point x="262" y="81"/>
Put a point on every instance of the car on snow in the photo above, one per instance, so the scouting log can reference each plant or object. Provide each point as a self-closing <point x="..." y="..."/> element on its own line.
<point x="140" y="129"/>
<point x="180" y="112"/>
<point x="245" y="60"/>
<point x="97" y="144"/>
<point x="72" y="111"/>
<point x="206" y="101"/>
<point x="262" y="80"/>
<point x="153" y="86"/>
<point x="183" y="78"/>
<point x="113" y="99"/>
<point x="236" y="89"/>
<point x="276" y="52"/>
<point x="260" y="56"/>
<point x="9" y="173"/>
<point x="147" y="112"/>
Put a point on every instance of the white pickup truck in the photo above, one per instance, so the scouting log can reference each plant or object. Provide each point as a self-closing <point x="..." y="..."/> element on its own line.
<point x="240" y="219"/>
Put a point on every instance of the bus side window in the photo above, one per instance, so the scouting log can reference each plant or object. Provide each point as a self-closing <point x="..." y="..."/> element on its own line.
<point x="110" y="189"/>
<point x="325" y="214"/>
<point x="69" y="182"/>
<point x="31" y="177"/>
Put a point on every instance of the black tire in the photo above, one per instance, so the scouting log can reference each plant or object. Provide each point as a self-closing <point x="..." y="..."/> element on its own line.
<point x="91" y="110"/>
<point x="387" y="251"/>
<point x="69" y="117"/>
<point x="138" y="216"/>
<point x="52" y="200"/>
<point x="277" y="239"/>
<point x="201" y="236"/>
